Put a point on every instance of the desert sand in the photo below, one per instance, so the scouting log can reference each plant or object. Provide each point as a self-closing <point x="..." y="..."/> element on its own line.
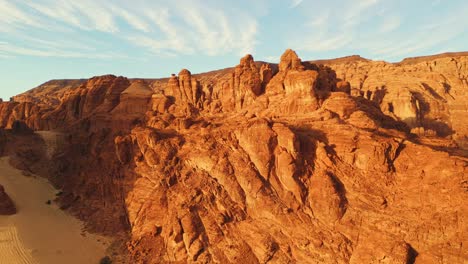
<point x="42" y="233"/>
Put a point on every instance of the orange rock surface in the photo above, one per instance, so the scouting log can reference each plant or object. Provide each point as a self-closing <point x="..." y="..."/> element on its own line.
<point x="338" y="161"/>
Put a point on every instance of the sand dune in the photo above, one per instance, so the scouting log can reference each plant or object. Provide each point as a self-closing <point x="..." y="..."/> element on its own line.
<point x="42" y="233"/>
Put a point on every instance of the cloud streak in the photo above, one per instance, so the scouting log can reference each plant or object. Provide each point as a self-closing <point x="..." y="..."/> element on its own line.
<point x="8" y="50"/>
<point x="188" y="27"/>
<point x="295" y="3"/>
<point x="165" y="28"/>
<point x="390" y="24"/>
<point x="14" y="18"/>
<point x="376" y="28"/>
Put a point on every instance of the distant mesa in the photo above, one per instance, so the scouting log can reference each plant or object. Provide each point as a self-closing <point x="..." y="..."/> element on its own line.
<point x="346" y="59"/>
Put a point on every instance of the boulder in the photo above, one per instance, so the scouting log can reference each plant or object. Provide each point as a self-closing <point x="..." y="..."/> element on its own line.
<point x="7" y="207"/>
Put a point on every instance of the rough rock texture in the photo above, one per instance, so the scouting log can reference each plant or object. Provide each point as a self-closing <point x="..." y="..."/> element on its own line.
<point x="133" y="100"/>
<point x="49" y="93"/>
<point x="3" y="141"/>
<point x="427" y="93"/>
<point x="7" y="207"/>
<point x="299" y="162"/>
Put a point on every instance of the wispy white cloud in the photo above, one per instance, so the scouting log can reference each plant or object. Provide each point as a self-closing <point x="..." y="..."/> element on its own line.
<point x="320" y="21"/>
<point x="248" y="41"/>
<point x="198" y="29"/>
<point x="208" y="27"/>
<point x="131" y="18"/>
<point x="2" y="54"/>
<point x="13" y="17"/>
<point x="208" y="35"/>
<point x="272" y="59"/>
<point x="83" y="14"/>
<point x="154" y="46"/>
<point x="190" y="26"/>
<point x="415" y="45"/>
<point x="331" y="27"/>
<point x="355" y="14"/>
<point x="425" y="36"/>
<point x="214" y="32"/>
<point x="175" y="39"/>
<point x="10" y="50"/>
<point x="376" y="28"/>
<point x="326" y="43"/>
<point x="295" y="3"/>
<point x="390" y="24"/>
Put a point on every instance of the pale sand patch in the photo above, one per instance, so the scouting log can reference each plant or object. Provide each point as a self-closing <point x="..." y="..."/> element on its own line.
<point x="45" y="232"/>
<point x="11" y="248"/>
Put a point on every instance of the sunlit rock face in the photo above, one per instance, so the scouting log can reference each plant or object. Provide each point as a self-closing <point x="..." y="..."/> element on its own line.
<point x="427" y="93"/>
<point x="339" y="161"/>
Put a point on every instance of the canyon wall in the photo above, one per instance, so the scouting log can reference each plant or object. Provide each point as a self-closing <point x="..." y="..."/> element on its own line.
<point x="429" y="94"/>
<point x="346" y="161"/>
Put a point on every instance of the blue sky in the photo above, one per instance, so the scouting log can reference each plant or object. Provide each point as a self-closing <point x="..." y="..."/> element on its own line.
<point x="53" y="39"/>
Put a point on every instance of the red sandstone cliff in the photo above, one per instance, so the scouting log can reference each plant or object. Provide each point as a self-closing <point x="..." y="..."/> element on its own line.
<point x="350" y="161"/>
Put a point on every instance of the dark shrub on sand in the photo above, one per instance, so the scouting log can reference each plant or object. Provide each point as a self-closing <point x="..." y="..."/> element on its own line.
<point x="105" y="260"/>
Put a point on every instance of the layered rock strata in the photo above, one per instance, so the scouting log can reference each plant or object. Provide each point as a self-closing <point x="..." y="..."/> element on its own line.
<point x="297" y="162"/>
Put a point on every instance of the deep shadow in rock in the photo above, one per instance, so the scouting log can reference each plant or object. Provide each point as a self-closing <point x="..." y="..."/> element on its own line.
<point x="432" y="92"/>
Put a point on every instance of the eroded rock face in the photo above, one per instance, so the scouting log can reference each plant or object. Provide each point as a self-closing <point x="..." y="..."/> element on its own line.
<point x="134" y="100"/>
<point x="376" y="248"/>
<point x="3" y="141"/>
<point x="290" y="61"/>
<point x="247" y="82"/>
<point x="7" y="207"/>
<point x="298" y="88"/>
<point x="185" y="89"/>
<point x="263" y="163"/>
<point x="429" y="93"/>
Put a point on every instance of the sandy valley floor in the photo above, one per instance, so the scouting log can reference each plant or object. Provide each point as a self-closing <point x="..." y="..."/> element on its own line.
<point x="42" y="233"/>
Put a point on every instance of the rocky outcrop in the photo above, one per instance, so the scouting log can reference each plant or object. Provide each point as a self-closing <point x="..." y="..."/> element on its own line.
<point x="296" y="162"/>
<point x="7" y="207"/>
<point x="298" y="88"/>
<point x="96" y="95"/>
<point x="26" y="112"/>
<point x="185" y="88"/>
<point x="97" y="90"/>
<point x="247" y="82"/>
<point x="241" y="89"/>
<point x="49" y="94"/>
<point x="134" y="100"/>
<point x="428" y="93"/>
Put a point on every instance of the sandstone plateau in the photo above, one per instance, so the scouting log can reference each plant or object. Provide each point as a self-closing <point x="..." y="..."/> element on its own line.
<point x="333" y="161"/>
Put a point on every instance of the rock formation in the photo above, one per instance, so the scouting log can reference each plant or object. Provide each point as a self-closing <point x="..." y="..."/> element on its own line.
<point x="345" y="161"/>
<point x="7" y="207"/>
<point x="427" y="93"/>
<point x="133" y="101"/>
